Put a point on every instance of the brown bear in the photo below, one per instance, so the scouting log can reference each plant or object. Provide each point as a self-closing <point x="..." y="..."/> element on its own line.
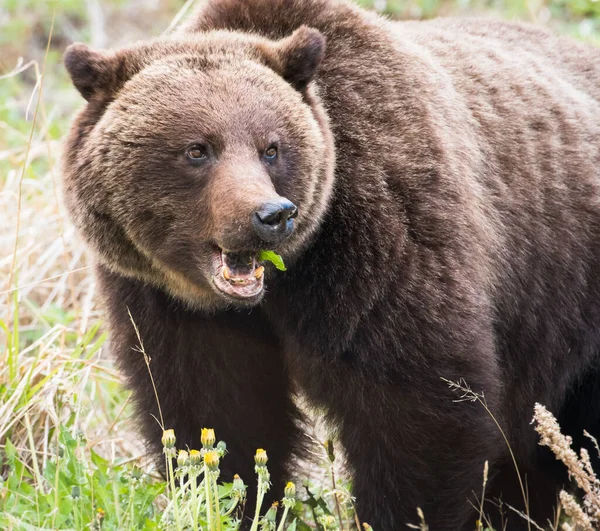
<point x="434" y="190"/>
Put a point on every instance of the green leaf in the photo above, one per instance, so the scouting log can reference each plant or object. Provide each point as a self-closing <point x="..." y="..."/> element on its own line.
<point x="274" y="258"/>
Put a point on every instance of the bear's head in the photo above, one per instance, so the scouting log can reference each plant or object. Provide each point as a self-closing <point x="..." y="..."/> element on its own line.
<point x="195" y="153"/>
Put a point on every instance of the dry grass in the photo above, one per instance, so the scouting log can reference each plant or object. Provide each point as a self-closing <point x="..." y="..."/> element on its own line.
<point x="53" y="365"/>
<point x="584" y="513"/>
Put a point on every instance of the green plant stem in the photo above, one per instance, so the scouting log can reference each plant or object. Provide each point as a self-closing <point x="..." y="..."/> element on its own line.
<point x="193" y="482"/>
<point x="115" y="491"/>
<point x="259" y="500"/>
<point x="131" y="505"/>
<point x="217" y="508"/>
<point x="209" y="519"/>
<point x="173" y="492"/>
<point x="286" y="510"/>
<point x="234" y="504"/>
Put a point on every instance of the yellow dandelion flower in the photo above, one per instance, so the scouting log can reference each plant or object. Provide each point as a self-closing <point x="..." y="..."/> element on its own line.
<point x="207" y="437"/>
<point x="195" y="457"/>
<point x="261" y="458"/>
<point x="168" y="438"/>
<point x="211" y="460"/>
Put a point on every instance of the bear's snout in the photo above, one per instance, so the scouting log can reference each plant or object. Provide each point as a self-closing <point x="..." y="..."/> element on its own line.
<point x="273" y="222"/>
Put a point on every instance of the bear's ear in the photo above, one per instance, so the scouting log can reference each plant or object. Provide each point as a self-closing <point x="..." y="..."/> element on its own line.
<point x="91" y="71"/>
<point x="300" y="55"/>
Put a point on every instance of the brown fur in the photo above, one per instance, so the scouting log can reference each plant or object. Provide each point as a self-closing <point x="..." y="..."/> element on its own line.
<point x="458" y="237"/>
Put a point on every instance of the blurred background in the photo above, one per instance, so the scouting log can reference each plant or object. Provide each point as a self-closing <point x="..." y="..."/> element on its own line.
<point x="25" y="25"/>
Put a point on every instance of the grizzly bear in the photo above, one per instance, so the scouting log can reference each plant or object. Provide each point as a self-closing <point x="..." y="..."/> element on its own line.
<point x="434" y="191"/>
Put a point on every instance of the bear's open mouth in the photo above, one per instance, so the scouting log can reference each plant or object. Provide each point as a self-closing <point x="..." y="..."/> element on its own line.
<point x="239" y="274"/>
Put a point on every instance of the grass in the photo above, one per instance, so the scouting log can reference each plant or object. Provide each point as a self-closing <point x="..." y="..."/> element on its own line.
<point x="69" y="457"/>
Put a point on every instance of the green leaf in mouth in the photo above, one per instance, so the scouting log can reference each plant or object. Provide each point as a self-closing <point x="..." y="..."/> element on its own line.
<point x="273" y="257"/>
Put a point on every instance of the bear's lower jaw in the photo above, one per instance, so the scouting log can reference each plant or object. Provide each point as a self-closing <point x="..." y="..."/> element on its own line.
<point x="239" y="275"/>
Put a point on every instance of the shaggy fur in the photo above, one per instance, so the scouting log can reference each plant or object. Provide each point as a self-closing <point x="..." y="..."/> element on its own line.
<point x="453" y="232"/>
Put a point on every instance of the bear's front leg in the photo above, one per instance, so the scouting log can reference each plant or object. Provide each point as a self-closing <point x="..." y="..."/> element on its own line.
<point x="416" y="447"/>
<point x="221" y="371"/>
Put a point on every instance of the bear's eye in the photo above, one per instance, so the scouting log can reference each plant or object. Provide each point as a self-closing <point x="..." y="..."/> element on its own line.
<point x="196" y="153"/>
<point x="271" y="152"/>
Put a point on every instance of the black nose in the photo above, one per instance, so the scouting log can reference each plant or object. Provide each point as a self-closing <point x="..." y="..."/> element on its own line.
<point x="274" y="221"/>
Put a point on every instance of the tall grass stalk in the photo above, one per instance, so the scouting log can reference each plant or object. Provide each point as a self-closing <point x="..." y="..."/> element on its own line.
<point x="470" y="395"/>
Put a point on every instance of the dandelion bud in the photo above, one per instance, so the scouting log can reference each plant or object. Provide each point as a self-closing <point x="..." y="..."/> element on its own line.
<point x="136" y="473"/>
<point x="290" y="490"/>
<point x="367" y="527"/>
<point x="168" y="438"/>
<point x="261" y="458"/>
<point x="238" y="484"/>
<point x="207" y="438"/>
<point x="195" y="458"/>
<point x="222" y="448"/>
<point x="328" y="522"/>
<point x="211" y="460"/>
<point x="271" y="515"/>
<point x="182" y="458"/>
<point x="75" y="492"/>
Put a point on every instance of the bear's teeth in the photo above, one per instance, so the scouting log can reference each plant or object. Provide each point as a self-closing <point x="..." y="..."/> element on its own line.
<point x="226" y="273"/>
<point x="259" y="272"/>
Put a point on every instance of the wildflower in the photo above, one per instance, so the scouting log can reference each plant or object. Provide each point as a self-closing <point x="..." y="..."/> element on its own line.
<point x="182" y="458"/>
<point x="261" y="458"/>
<point x="211" y="460"/>
<point x="207" y="438"/>
<point x="168" y="438"/>
<point x="289" y="496"/>
<point x="136" y="474"/>
<point x="270" y="519"/>
<point x="239" y="488"/>
<point x="195" y="458"/>
<point x="98" y="520"/>
<point x="290" y="490"/>
<point x="328" y="522"/>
